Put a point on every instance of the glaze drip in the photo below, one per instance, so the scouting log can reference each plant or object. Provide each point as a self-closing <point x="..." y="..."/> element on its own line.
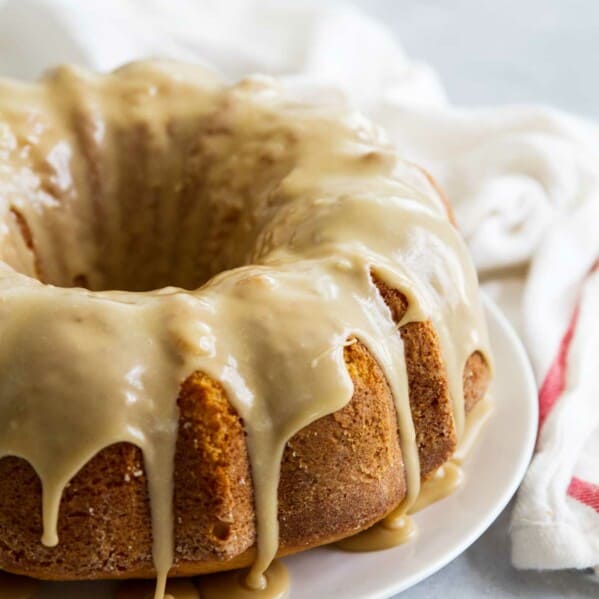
<point x="152" y="181"/>
<point x="398" y="527"/>
<point x="233" y="585"/>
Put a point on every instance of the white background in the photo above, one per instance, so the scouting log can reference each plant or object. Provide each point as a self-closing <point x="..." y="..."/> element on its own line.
<point x="496" y="51"/>
<point x="489" y="52"/>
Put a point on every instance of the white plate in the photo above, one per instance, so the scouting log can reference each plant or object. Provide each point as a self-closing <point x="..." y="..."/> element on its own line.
<point x="493" y="472"/>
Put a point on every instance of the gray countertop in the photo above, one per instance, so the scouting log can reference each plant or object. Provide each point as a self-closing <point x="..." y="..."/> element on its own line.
<point x="491" y="52"/>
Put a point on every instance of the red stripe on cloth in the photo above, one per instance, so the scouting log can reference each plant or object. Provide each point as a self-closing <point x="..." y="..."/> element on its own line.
<point x="555" y="381"/>
<point x="553" y="386"/>
<point x="585" y="492"/>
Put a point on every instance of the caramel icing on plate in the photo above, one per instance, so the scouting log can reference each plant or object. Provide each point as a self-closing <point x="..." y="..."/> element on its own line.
<point x="233" y="585"/>
<point x="144" y="589"/>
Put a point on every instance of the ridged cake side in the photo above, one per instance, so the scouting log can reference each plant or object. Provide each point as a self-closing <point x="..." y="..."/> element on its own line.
<point x="339" y="475"/>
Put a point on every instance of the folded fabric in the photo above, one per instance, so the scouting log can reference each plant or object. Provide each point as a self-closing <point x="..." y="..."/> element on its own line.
<point x="524" y="182"/>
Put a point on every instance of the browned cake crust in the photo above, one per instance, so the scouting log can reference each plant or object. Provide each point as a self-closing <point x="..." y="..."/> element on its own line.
<point x="339" y="475"/>
<point x="429" y="395"/>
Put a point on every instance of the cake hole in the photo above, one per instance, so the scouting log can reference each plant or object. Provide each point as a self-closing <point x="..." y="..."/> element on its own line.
<point x="221" y="530"/>
<point x="24" y="229"/>
<point x="179" y="205"/>
<point x="80" y="281"/>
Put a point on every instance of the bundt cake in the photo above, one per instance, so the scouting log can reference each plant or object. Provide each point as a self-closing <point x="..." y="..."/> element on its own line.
<point x="233" y="325"/>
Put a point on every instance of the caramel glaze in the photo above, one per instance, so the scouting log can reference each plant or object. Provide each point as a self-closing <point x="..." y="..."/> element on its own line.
<point x="233" y="585"/>
<point x="249" y="257"/>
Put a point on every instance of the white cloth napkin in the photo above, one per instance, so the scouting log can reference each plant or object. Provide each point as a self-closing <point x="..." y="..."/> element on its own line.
<point x="524" y="181"/>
